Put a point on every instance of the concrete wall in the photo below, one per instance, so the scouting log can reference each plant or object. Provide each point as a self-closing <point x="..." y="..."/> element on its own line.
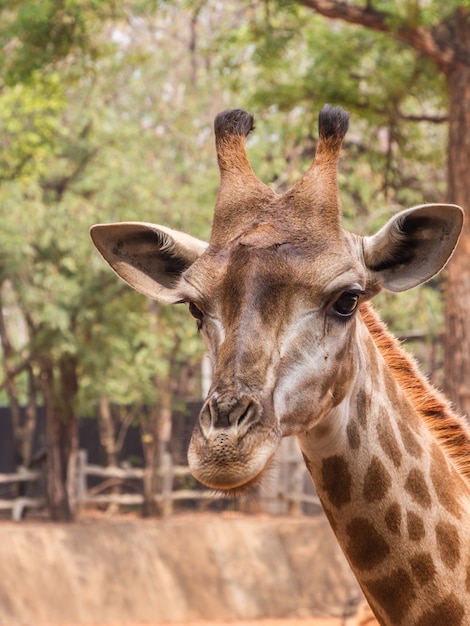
<point x="184" y="568"/>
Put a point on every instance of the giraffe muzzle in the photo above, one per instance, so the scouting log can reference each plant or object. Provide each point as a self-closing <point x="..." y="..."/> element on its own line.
<point x="232" y="443"/>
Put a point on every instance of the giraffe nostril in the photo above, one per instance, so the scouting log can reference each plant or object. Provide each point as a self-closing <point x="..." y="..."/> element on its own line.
<point x="243" y="416"/>
<point x="206" y="419"/>
<point x="220" y="414"/>
<point x="246" y="418"/>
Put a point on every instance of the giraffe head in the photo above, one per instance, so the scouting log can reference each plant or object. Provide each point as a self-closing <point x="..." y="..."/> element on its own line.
<point x="275" y="294"/>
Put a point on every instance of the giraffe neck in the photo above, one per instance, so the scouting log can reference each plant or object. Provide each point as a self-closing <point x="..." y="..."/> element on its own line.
<point x="394" y="490"/>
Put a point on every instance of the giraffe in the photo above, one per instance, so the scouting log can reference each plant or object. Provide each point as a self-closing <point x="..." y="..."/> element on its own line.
<point x="362" y="617"/>
<point x="281" y="295"/>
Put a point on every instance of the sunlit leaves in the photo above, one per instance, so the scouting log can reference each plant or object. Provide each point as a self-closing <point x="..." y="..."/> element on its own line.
<point x="29" y="121"/>
<point x="112" y="120"/>
<point x="42" y="34"/>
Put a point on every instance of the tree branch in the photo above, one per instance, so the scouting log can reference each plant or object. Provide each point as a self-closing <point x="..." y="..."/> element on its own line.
<point x="438" y="49"/>
<point x="433" y="119"/>
<point x="13" y="373"/>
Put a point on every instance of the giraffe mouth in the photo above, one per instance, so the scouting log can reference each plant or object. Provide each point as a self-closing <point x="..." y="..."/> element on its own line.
<point x="231" y="463"/>
<point x="230" y="466"/>
<point x="246" y="489"/>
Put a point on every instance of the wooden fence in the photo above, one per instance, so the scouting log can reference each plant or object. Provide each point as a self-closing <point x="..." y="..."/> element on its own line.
<point x="19" y="504"/>
<point x="285" y="491"/>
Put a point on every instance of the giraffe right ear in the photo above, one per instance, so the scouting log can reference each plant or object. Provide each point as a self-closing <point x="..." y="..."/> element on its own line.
<point x="148" y="257"/>
<point x="413" y="246"/>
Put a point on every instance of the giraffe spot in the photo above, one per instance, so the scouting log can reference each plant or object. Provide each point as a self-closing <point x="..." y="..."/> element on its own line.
<point x="377" y="481"/>
<point x="448" y="544"/>
<point x="366" y="548"/>
<point x="393" y="518"/>
<point x="336" y="480"/>
<point x="441" y="478"/>
<point x="416" y="486"/>
<point x="362" y="406"/>
<point x="410" y="441"/>
<point x="449" y="611"/>
<point x="354" y="438"/>
<point x="325" y="508"/>
<point x="415" y="526"/>
<point x="343" y="381"/>
<point x="414" y="422"/>
<point x="391" y="387"/>
<point x="394" y="593"/>
<point x="387" y="440"/>
<point x="422" y="567"/>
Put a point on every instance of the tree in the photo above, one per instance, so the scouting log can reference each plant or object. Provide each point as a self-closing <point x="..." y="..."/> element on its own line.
<point x="441" y="34"/>
<point x="86" y="142"/>
<point x="97" y="129"/>
<point x="403" y="69"/>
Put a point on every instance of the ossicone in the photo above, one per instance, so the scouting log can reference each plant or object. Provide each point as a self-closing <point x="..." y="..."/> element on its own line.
<point x="233" y="122"/>
<point x="333" y="122"/>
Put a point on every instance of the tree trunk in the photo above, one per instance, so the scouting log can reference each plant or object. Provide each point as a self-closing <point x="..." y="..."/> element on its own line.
<point x="30" y="416"/>
<point x="164" y="464"/>
<point x="68" y="393"/>
<point x="148" y="430"/>
<point x="108" y="445"/>
<point x="62" y="435"/>
<point x="156" y="438"/>
<point x="107" y="431"/>
<point x="457" y="335"/>
<point x="156" y="433"/>
<point x="12" y="391"/>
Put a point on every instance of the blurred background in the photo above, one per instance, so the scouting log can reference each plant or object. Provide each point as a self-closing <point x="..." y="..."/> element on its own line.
<point x="106" y="111"/>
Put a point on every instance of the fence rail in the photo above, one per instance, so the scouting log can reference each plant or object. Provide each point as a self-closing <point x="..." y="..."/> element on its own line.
<point x="287" y="495"/>
<point x="19" y="504"/>
<point x="21" y="475"/>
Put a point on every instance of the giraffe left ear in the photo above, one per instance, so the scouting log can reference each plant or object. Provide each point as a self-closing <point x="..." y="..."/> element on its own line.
<point x="413" y="246"/>
<point x="148" y="257"/>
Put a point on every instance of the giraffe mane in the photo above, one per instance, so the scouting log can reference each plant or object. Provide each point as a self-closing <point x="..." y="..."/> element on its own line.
<point x="449" y="428"/>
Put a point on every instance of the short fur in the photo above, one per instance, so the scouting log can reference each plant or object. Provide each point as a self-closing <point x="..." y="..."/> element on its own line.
<point x="233" y="122"/>
<point x="450" y="430"/>
<point x="333" y="122"/>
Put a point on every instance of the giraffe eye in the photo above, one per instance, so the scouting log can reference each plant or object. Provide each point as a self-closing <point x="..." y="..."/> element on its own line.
<point x="347" y="303"/>
<point x="196" y="313"/>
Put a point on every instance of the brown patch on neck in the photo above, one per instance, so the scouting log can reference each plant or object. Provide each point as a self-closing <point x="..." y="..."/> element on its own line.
<point x="449" y="611"/>
<point x="394" y="593"/>
<point x="448" y="428"/>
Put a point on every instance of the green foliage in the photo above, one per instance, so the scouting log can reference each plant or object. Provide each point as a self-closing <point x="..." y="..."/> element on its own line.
<point x="288" y="62"/>
<point x="106" y="117"/>
<point x="29" y="121"/>
<point x="92" y="140"/>
<point x="37" y="35"/>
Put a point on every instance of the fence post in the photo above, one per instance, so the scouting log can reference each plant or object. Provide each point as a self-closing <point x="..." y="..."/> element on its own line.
<point x="17" y="510"/>
<point x="81" y="480"/>
<point x="166" y="481"/>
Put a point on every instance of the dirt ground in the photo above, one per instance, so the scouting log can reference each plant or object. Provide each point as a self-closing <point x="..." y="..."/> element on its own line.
<point x="262" y="622"/>
<point x="103" y="572"/>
